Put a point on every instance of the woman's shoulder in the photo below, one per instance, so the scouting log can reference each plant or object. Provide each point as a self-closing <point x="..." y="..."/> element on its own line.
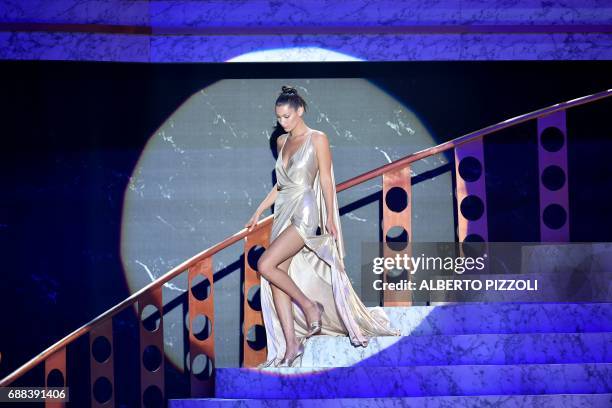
<point x="280" y="141"/>
<point x="319" y="137"/>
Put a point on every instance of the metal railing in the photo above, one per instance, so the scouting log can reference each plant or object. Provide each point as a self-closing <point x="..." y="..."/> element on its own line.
<point x="551" y="124"/>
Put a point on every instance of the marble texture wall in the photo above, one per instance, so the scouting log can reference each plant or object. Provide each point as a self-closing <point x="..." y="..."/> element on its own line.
<point x="134" y="12"/>
<point x="74" y="47"/>
<point x="417" y="47"/>
<point x="377" y="13"/>
<point x="322" y="30"/>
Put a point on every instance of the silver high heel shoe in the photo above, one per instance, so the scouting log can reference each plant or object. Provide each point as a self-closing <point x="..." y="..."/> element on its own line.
<point x="315" y="327"/>
<point x="266" y="364"/>
<point x="288" y="362"/>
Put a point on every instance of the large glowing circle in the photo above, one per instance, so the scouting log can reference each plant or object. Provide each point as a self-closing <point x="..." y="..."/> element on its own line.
<point x="205" y="170"/>
<point x="295" y="54"/>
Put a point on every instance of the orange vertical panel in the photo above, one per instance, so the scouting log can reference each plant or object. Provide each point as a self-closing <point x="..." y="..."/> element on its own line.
<point x="401" y="179"/>
<point x="467" y="188"/>
<point x="472" y="230"/>
<point x="102" y="369"/>
<point x="57" y="361"/>
<point x="156" y="338"/>
<point x="261" y="237"/>
<point x="548" y="160"/>
<point x="204" y="386"/>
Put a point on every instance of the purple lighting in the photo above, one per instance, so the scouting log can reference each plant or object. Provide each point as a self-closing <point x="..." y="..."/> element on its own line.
<point x="217" y="31"/>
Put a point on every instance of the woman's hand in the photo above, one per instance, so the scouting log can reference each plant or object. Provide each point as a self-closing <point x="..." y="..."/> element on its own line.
<point x="331" y="226"/>
<point x="253" y="221"/>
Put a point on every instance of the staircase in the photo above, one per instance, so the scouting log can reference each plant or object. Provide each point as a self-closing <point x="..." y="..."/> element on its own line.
<point x="545" y="355"/>
<point x="471" y="354"/>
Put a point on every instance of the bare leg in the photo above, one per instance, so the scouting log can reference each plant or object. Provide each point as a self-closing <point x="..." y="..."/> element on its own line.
<point x="283" y="248"/>
<point x="284" y="310"/>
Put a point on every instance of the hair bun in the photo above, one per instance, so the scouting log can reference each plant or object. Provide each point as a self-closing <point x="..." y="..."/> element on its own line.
<point x="289" y="90"/>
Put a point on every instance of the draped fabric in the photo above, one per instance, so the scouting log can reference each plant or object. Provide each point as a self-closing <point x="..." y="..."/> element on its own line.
<point x="318" y="268"/>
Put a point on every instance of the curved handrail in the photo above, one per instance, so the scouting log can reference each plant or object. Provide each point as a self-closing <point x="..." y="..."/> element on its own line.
<point x="430" y="151"/>
<point x="243" y="233"/>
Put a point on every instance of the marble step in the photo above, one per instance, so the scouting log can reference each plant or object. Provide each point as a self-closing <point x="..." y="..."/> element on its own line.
<point x="530" y="348"/>
<point x="472" y="318"/>
<point x="416" y="381"/>
<point x="498" y="401"/>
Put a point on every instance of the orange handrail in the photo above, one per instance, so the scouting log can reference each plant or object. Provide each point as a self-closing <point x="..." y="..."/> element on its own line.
<point x="470" y="137"/>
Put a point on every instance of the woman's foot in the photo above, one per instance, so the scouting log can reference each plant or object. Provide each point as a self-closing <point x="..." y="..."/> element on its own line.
<point x="292" y="352"/>
<point x="266" y="364"/>
<point x="314" y="314"/>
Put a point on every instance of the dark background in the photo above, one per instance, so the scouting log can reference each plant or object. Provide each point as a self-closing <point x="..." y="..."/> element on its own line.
<point x="73" y="131"/>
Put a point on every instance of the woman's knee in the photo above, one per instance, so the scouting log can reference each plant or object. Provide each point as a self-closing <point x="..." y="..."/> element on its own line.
<point x="264" y="266"/>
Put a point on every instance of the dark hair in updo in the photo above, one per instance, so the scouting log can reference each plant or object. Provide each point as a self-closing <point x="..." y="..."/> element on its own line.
<point x="290" y="95"/>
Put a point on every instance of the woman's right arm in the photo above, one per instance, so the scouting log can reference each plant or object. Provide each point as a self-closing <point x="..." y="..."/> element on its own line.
<point x="265" y="204"/>
<point x="268" y="201"/>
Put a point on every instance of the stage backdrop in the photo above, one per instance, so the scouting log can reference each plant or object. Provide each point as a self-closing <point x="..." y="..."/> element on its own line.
<point x="113" y="174"/>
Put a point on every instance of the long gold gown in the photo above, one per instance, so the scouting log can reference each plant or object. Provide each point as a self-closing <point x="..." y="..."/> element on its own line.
<point x="318" y="268"/>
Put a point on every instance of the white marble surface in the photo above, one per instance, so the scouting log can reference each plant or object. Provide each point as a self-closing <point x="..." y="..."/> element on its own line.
<point x="544" y="257"/>
<point x="371" y="47"/>
<point x="381" y="47"/>
<point x="257" y="13"/>
<point x="502" y="318"/>
<point x="364" y="382"/>
<point x="505" y="401"/>
<point x="122" y="12"/>
<point x="478" y="334"/>
<point x="387" y="12"/>
<point x="526" y="348"/>
<point x="553" y="46"/>
<point x="296" y="48"/>
<point x="356" y="16"/>
<point x="291" y="13"/>
<point x="557" y="360"/>
<point x="73" y="47"/>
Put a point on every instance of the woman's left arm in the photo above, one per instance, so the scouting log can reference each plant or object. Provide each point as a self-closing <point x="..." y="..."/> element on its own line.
<point x="324" y="161"/>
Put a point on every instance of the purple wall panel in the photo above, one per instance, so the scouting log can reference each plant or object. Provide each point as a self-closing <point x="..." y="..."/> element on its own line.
<point x="536" y="12"/>
<point x="537" y="47"/>
<point x="188" y="19"/>
<point x="292" y="13"/>
<point x="368" y="13"/>
<point x="73" y="47"/>
<point x="371" y="47"/>
<point x="124" y="12"/>
<point x="392" y="47"/>
<point x="108" y="47"/>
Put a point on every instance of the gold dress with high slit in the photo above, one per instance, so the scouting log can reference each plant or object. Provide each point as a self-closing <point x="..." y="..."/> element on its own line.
<point x="318" y="268"/>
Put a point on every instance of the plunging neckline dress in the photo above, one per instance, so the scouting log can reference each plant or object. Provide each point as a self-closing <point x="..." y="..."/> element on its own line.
<point x="318" y="268"/>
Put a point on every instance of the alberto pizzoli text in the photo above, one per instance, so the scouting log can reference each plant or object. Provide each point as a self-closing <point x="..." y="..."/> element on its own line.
<point x="459" y="285"/>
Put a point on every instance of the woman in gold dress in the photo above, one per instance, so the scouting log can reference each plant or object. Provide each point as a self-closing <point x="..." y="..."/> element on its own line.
<point x="304" y="287"/>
